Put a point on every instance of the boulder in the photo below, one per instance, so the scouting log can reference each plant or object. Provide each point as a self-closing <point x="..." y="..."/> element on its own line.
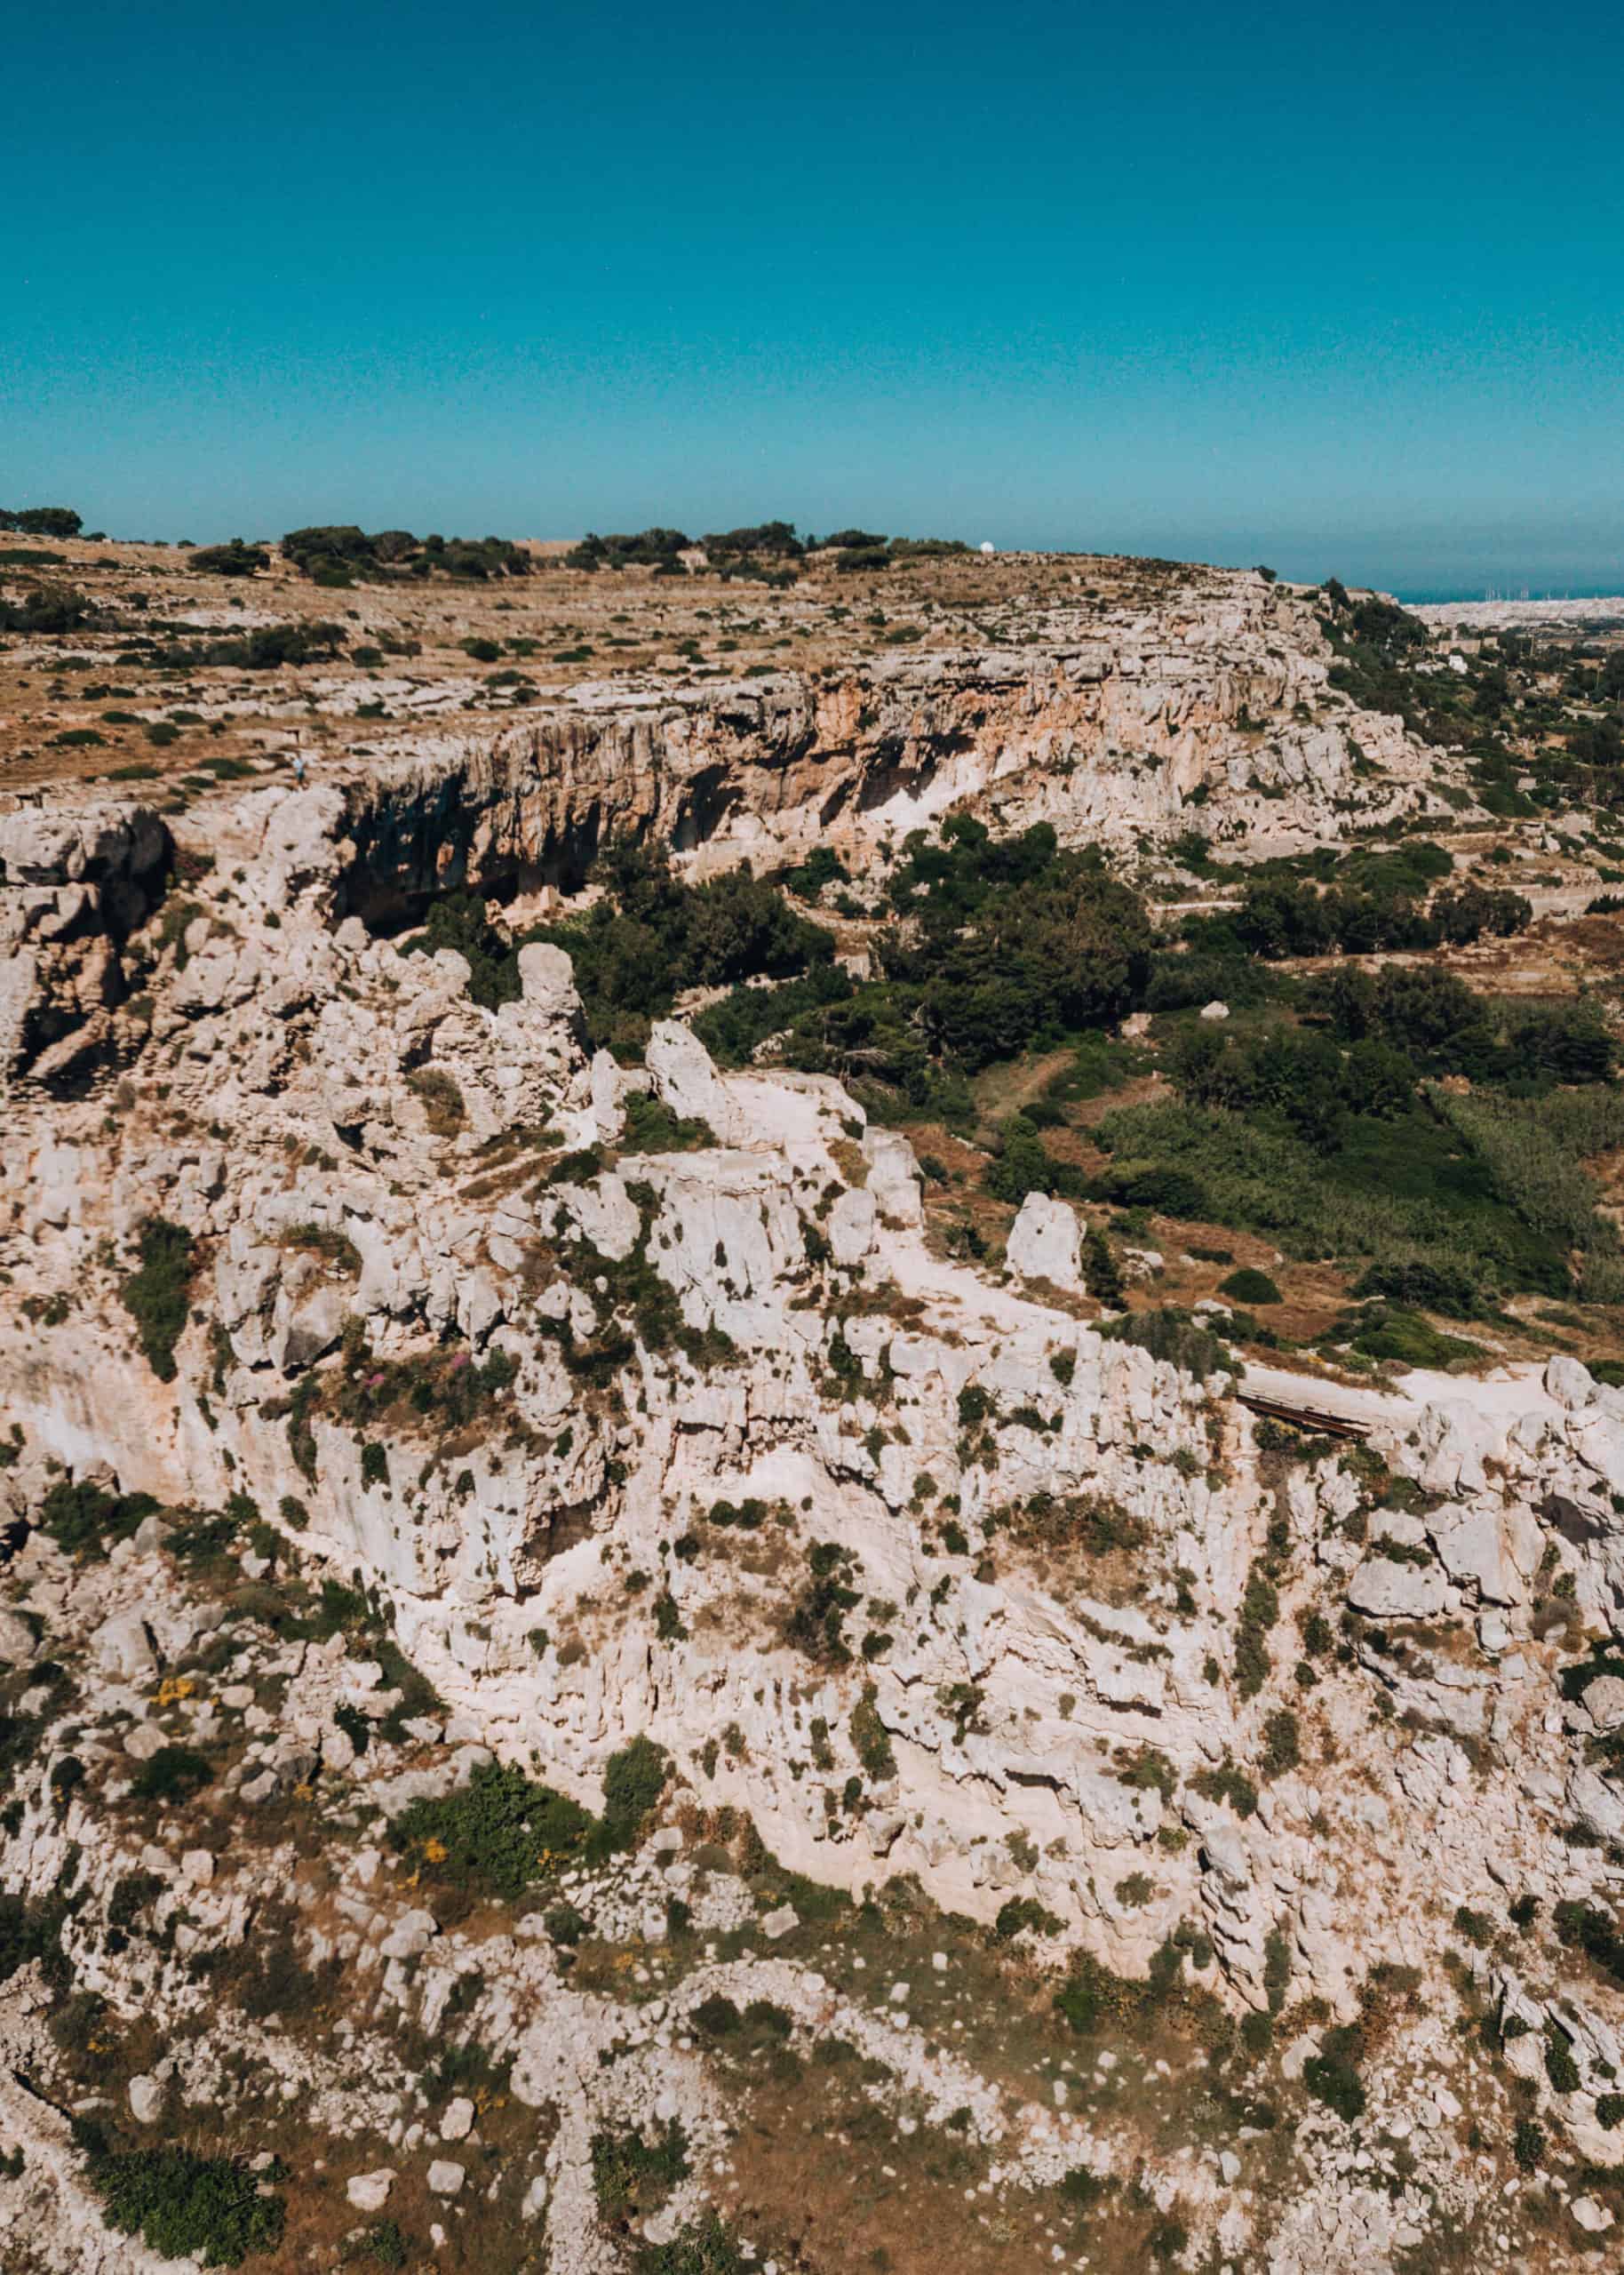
<point x="313" y="1328"/>
<point x="1604" y="1701"/>
<point x="1568" y="1383"/>
<point x="547" y="981"/>
<point x="1596" y="1803"/>
<point x="16" y="1643"/>
<point x="1382" y="1589"/>
<point x="1474" y="1553"/>
<point x="894" y="1176"/>
<point x="1456" y="1438"/>
<point x="121" y="1647"/>
<point x="851" y="1225"/>
<point x="1044" y="1242"/>
<point x="683" y="1075"/>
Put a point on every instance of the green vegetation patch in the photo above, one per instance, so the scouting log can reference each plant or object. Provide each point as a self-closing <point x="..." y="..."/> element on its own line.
<point x="85" y="1521"/>
<point x="183" y="2205"/>
<point x="156" y="1294"/>
<point x="632" y="2177"/>
<point x="499" y="1832"/>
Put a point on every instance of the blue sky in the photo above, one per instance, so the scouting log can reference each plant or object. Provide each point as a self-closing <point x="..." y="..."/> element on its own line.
<point x="1338" y="289"/>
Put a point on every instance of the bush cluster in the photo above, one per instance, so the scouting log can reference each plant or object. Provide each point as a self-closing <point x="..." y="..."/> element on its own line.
<point x="85" y="1521"/>
<point x="338" y="554"/>
<point x="181" y="2205"/>
<point x="41" y="521"/>
<point x="232" y="560"/>
<point x="45" y="609"/>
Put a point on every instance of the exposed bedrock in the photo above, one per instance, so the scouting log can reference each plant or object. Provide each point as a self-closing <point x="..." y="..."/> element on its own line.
<point x="1107" y="742"/>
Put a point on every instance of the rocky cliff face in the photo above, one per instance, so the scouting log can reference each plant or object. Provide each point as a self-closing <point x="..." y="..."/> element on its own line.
<point x="1222" y="711"/>
<point x="704" y="1442"/>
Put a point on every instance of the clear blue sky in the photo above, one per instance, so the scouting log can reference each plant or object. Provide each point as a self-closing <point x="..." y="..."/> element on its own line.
<point x="1338" y="288"/>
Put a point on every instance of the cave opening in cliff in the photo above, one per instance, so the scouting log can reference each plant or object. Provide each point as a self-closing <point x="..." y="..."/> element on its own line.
<point x="402" y="870"/>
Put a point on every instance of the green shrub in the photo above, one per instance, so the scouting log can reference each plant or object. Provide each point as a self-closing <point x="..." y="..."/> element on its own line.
<point x="67" y="1777"/>
<point x="340" y="554"/>
<point x="30" y="1931"/>
<point x="1259" y="1608"/>
<point x="1586" y="1928"/>
<point x="1174" y="1337"/>
<point x="652" y="1128"/>
<point x="653" y="935"/>
<point x="1277" y="1968"/>
<point x="385" y="2245"/>
<point x="633" y="1779"/>
<point x="156" y="1294"/>
<point x="703" y="2247"/>
<point x="1083" y="2189"/>
<point x="1092" y="1996"/>
<point x="1020" y="1913"/>
<point x="132" y="1894"/>
<point x="1282" y="1742"/>
<point x="1228" y="1785"/>
<point x="499" y="1832"/>
<point x="565" y="1926"/>
<point x="85" y="1521"/>
<point x="42" y="521"/>
<point x="184" y="2205"/>
<point x="816" y="1621"/>
<point x="1101" y="1273"/>
<point x="1528" y="2144"/>
<point x="278" y="1984"/>
<point x="1247" y="1286"/>
<point x="1392" y="1191"/>
<point x="1477" y="1927"/>
<point x="870" y="1739"/>
<point x="634" y="2176"/>
<point x="1560" y="2066"/>
<point x="232" y="560"/>
<point x="456" y="920"/>
<point x="1332" y="2076"/>
<point x="173" y="1773"/>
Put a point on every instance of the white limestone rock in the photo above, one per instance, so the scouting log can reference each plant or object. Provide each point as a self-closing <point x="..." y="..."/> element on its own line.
<point x="546" y="979"/>
<point x="684" y="1077"/>
<point x="1382" y="1589"/>
<point x="1044" y="1242"/>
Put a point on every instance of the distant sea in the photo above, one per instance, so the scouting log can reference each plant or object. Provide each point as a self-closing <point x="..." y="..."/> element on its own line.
<point x="1436" y="596"/>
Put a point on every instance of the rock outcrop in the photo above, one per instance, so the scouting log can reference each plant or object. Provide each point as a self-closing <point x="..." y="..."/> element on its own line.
<point x="916" y="1565"/>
